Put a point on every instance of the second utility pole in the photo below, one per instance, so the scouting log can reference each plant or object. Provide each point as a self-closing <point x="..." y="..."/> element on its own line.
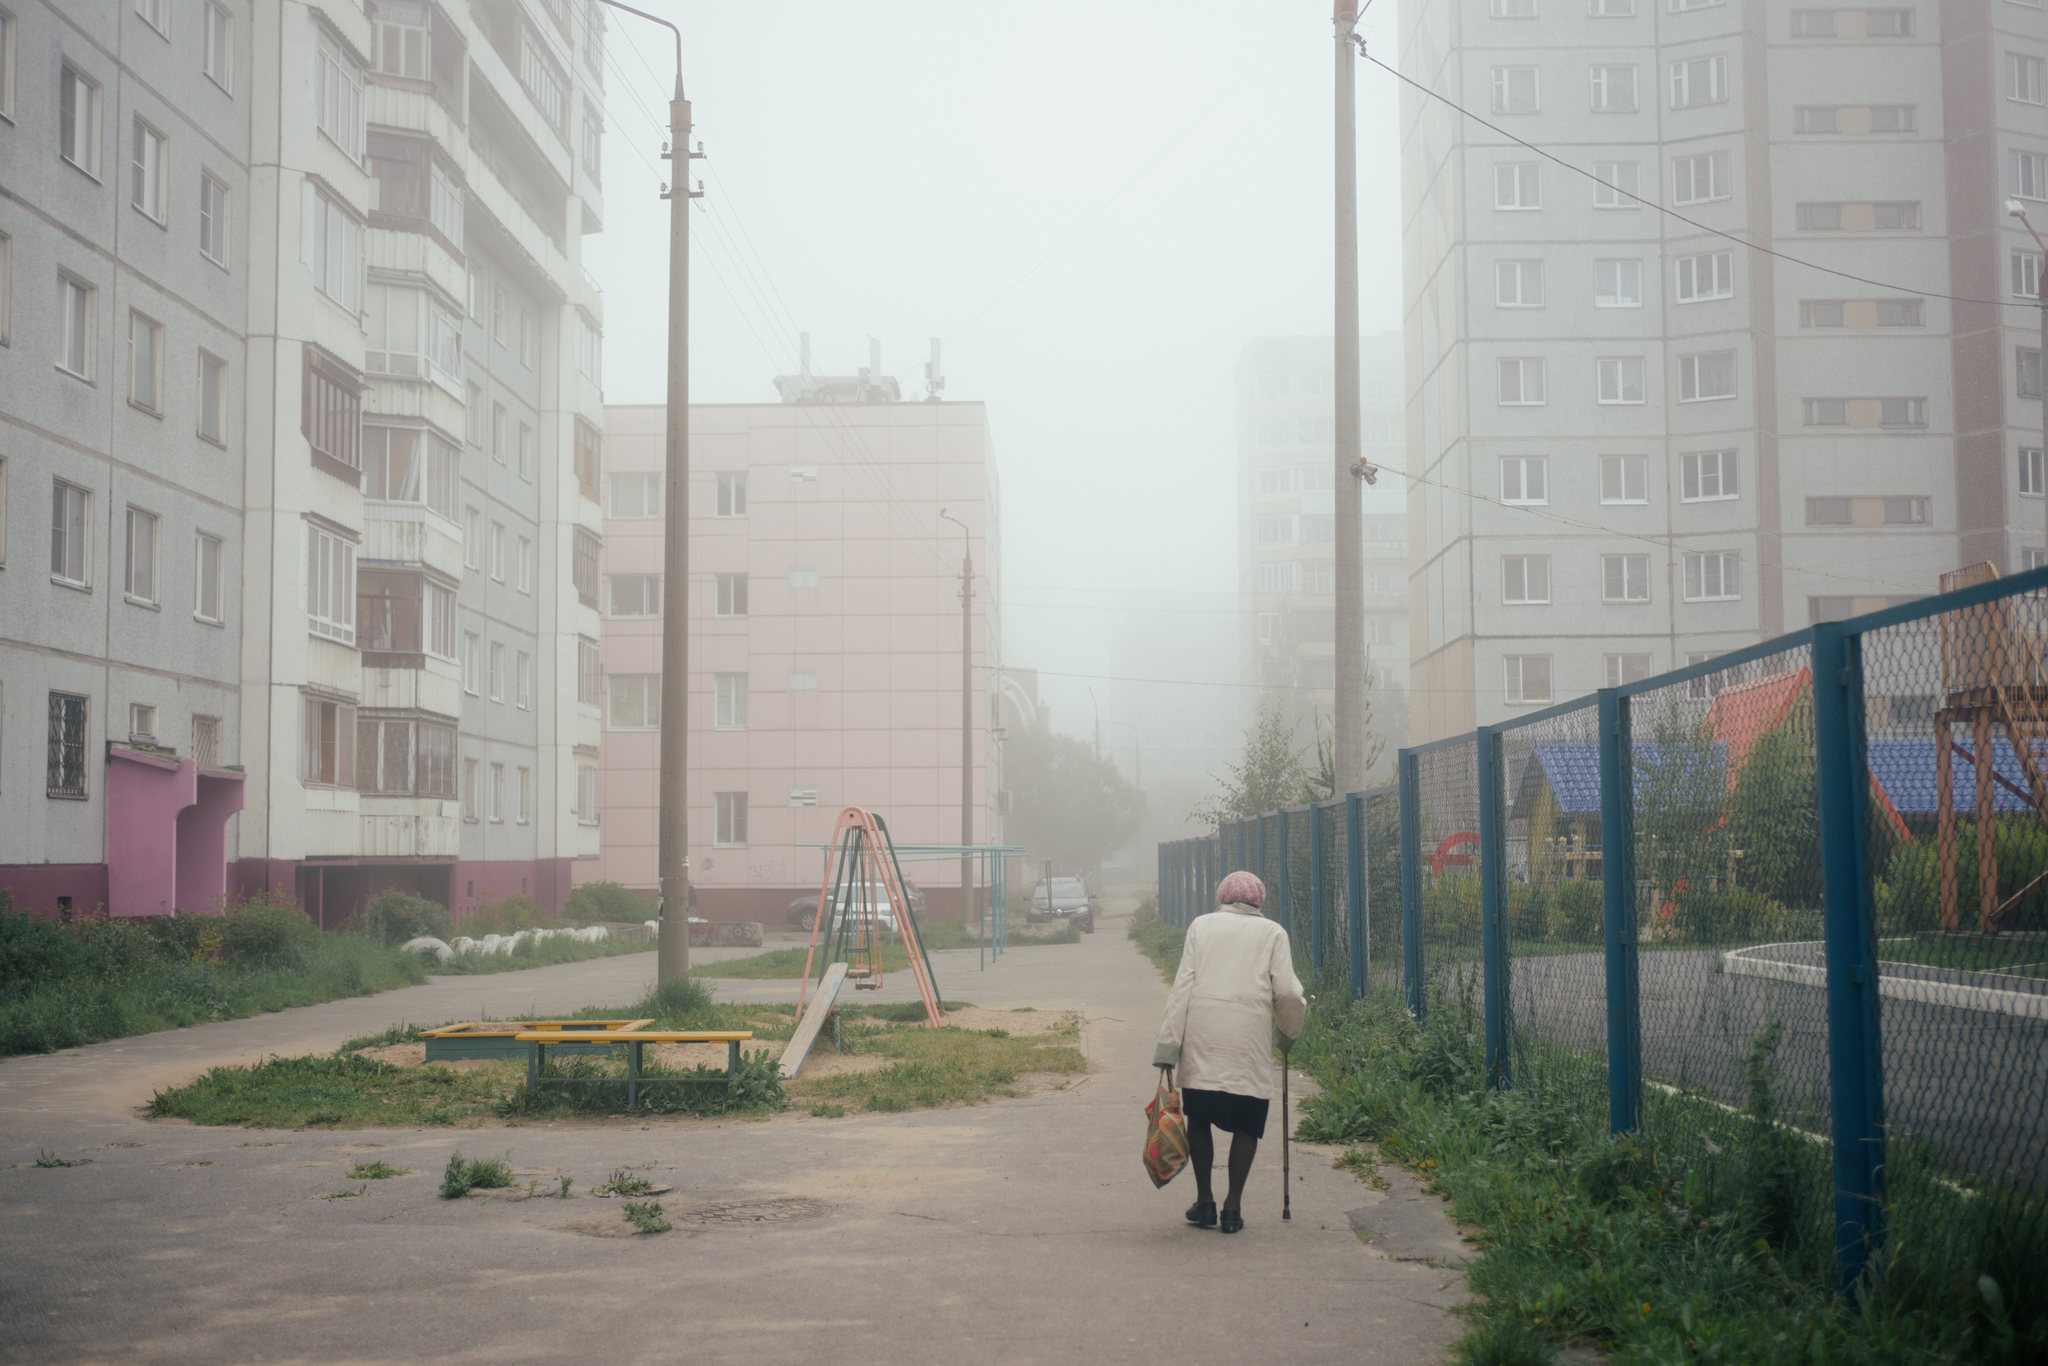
<point x="1349" y="722"/>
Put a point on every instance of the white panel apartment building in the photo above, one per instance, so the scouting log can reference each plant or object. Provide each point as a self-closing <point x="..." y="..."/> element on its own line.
<point x="1641" y="444"/>
<point x="374" y="218"/>
<point x="1286" y="441"/>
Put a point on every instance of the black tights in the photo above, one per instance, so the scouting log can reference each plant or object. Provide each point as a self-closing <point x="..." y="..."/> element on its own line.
<point x="1202" y="1157"/>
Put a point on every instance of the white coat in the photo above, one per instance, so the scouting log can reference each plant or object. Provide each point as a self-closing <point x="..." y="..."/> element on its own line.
<point x="1236" y="982"/>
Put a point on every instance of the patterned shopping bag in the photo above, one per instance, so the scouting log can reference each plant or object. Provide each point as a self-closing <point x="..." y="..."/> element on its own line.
<point x="1166" y="1135"/>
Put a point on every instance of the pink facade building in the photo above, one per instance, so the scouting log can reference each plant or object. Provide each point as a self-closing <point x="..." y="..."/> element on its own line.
<point x="825" y="659"/>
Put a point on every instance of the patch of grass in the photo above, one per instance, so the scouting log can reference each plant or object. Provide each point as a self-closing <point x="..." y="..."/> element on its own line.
<point x="348" y="1091"/>
<point x="756" y="1088"/>
<point x="544" y="953"/>
<point x="828" y="1111"/>
<point x="1967" y="953"/>
<point x="933" y="1067"/>
<point x="623" y="1182"/>
<point x="397" y="1034"/>
<point x="563" y="1193"/>
<point x="1156" y="939"/>
<point x="645" y="1217"/>
<point x="357" y="1193"/>
<point x="50" y="1159"/>
<point x="789" y="963"/>
<point x="464" y="1175"/>
<point x="376" y="1171"/>
<point x="1705" y="1237"/>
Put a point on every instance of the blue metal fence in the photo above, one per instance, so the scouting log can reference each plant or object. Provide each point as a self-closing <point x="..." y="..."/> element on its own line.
<point x="1824" y="856"/>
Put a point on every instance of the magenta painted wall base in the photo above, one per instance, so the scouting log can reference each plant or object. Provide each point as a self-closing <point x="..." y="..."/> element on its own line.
<point x="42" y="888"/>
<point x="332" y="891"/>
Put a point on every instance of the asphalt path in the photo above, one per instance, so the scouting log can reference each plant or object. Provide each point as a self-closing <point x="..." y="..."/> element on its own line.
<point x="1014" y="1232"/>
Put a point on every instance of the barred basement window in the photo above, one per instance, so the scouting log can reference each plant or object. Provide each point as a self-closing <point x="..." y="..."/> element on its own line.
<point x="66" y="763"/>
<point x="206" y="741"/>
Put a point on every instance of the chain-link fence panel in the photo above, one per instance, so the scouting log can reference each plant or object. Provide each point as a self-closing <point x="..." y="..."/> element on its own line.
<point x="1552" y="906"/>
<point x="1327" y="953"/>
<point x="1382" y="839"/>
<point x="1447" y="848"/>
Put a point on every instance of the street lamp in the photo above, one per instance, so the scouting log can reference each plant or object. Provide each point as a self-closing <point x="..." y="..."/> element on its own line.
<point x="2019" y="211"/>
<point x="966" y="717"/>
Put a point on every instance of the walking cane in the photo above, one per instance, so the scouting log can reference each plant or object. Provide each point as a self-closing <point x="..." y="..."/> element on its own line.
<point x="1286" y="1180"/>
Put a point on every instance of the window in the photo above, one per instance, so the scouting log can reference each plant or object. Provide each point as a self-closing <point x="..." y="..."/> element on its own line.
<point x="410" y="465"/>
<point x="473" y="538"/>
<point x="2023" y="78"/>
<point x="1621" y="379"/>
<point x="590" y="459"/>
<point x="1867" y="512"/>
<point x="1710" y="275"/>
<point x="543" y="80"/>
<point x="732" y="594"/>
<point x="636" y="595"/>
<point x="1624" y="479"/>
<point x="525" y="811"/>
<point x="1279" y="578"/>
<point x="1514" y="90"/>
<point x="1525" y="479"/>
<point x="1709" y="375"/>
<point x="213" y="398"/>
<point x="78" y="118"/>
<point x="2027" y="365"/>
<point x="140" y="585"/>
<point x="472" y="663"/>
<point x="593" y="143"/>
<point x="219" y="57"/>
<point x="147" y="191"/>
<point x="405" y="758"/>
<point x="327" y="754"/>
<point x="1614" y="89"/>
<point x="476" y="293"/>
<point x="2029" y="174"/>
<point x="1627" y="668"/>
<point x="470" y="811"/>
<point x="732" y="493"/>
<point x="414" y="335"/>
<point x="1527" y="678"/>
<point x="526" y="452"/>
<point x="1699" y="80"/>
<point x="206" y="741"/>
<point x="415" y="187"/>
<point x="497" y="794"/>
<point x="1518" y="284"/>
<point x="331" y="414"/>
<point x="2030" y="470"/>
<point x="586" y="794"/>
<point x="1707" y="476"/>
<point x="70" y="535"/>
<point x="1625" y="578"/>
<point x="1613" y="9"/>
<point x="589" y="672"/>
<point x="1620" y="182"/>
<point x="522" y="686"/>
<point x="1524" y="579"/>
<point x="802" y="577"/>
<point x="1681" y="6"/>
<point x="1521" y="380"/>
<point x="499" y="420"/>
<point x="1853" y="118"/>
<point x="583" y="559"/>
<point x="6" y="269"/>
<point x="731" y="702"/>
<point x="803" y="680"/>
<point x="1864" y="412"/>
<point x="1712" y="576"/>
<point x="636" y="495"/>
<point x="2026" y="274"/>
<point x="331" y="246"/>
<point x="1518" y="185"/>
<point x="402" y="39"/>
<point x="77" y="316"/>
<point x="404" y="612"/>
<point x="589" y="348"/>
<point x="635" y="701"/>
<point x="1823" y="313"/>
<point x="330" y="585"/>
<point x="1698" y="179"/>
<point x="496" y="676"/>
<point x="207" y="599"/>
<point x="498" y="559"/>
<point x="142" y="722"/>
<point x="338" y="95"/>
<point x="522" y="563"/>
<point x="66" y="765"/>
<point x="730" y="819"/>
<point x="1514" y="9"/>
<point x="1886" y="217"/>
<point x="145" y="363"/>
<point x="7" y="45"/>
<point x="1887" y="23"/>
<point x="1617" y="284"/>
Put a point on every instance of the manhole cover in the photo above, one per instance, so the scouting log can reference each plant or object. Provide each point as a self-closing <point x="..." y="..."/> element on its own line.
<point x="754" y="1212"/>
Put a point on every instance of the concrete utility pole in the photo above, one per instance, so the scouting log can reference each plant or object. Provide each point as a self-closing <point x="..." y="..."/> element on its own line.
<point x="2019" y="211"/>
<point x="1349" y="723"/>
<point x="672" y="947"/>
<point x="967" y="889"/>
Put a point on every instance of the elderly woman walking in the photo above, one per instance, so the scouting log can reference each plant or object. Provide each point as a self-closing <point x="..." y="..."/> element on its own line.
<point x="1236" y="981"/>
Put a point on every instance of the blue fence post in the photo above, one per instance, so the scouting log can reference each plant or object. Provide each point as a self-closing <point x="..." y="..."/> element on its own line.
<point x="1618" y="907"/>
<point x="1160" y="897"/>
<point x="1354" y="888"/>
<point x="1315" y="892"/>
<point x="1258" y="863"/>
<point x="1409" y="770"/>
<point x="1169" y="886"/>
<point x="1855" y="1060"/>
<point x="1492" y="913"/>
<point x="1280" y="873"/>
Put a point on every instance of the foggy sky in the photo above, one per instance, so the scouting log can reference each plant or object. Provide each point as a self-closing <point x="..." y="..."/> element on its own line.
<point x="1094" y="203"/>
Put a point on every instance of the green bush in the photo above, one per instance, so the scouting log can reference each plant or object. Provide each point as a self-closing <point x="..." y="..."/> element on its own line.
<point x="1450" y="909"/>
<point x="513" y="914"/>
<point x="1528" y="911"/>
<point x="263" y="931"/>
<point x="1909" y="894"/>
<point x="394" y="916"/>
<point x="1727" y="917"/>
<point x="1578" y="911"/>
<point x="599" y="902"/>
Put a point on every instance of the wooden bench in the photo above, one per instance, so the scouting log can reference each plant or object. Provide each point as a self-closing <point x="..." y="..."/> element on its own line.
<point x="538" y="1041"/>
<point x="500" y="1038"/>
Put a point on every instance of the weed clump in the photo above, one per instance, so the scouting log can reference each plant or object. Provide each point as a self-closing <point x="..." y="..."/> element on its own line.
<point x="645" y="1217"/>
<point x="464" y="1175"/>
<point x="376" y="1171"/>
<point x="625" y="1183"/>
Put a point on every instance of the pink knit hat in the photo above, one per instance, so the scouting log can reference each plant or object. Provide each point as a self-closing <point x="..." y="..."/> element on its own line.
<point x="1242" y="887"/>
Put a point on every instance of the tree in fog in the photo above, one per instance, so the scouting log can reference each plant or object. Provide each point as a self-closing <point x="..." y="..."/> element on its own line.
<point x="1065" y="804"/>
<point x="1272" y="773"/>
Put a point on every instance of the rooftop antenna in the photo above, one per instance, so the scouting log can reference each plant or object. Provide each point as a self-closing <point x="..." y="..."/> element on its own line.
<point x="803" y="364"/>
<point x="934" y="378"/>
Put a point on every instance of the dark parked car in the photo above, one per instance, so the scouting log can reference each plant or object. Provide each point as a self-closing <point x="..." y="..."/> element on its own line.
<point x="1065" y="900"/>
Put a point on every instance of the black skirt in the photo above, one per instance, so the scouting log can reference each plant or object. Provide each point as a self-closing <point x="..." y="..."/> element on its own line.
<point x="1226" y="1110"/>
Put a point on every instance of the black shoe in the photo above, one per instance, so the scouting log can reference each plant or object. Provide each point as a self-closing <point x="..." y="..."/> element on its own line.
<point x="1233" y="1220"/>
<point x="1202" y="1214"/>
